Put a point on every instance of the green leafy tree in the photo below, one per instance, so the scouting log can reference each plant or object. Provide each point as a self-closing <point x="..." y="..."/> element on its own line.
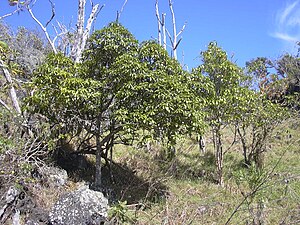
<point x="70" y="101"/>
<point x="288" y="88"/>
<point x="260" y="115"/>
<point x="278" y="80"/>
<point x="255" y="125"/>
<point x="171" y="105"/>
<point x="117" y="91"/>
<point x="224" y="96"/>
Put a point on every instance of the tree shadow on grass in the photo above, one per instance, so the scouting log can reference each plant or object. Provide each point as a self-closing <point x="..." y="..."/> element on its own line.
<point x="124" y="183"/>
<point x="132" y="188"/>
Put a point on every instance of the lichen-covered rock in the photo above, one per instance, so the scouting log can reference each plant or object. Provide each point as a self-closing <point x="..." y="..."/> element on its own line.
<point x="53" y="175"/>
<point x="83" y="206"/>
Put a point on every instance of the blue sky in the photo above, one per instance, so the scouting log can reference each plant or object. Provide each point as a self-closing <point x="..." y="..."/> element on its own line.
<point x="245" y="29"/>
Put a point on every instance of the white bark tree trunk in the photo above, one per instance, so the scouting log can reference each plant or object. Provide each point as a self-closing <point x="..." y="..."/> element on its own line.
<point x="82" y="33"/>
<point x="158" y="23"/>
<point x="174" y="41"/>
<point x="163" y="19"/>
<point x="12" y="91"/>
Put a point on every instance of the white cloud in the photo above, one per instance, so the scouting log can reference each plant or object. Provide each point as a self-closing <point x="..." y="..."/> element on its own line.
<point x="287" y="11"/>
<point x="287" y="27"/>
<point x="286" y="37"/>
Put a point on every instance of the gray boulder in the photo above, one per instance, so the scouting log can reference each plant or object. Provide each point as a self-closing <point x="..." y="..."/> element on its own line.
<point x="53" y="175"/>
<point x="83" y="206"/>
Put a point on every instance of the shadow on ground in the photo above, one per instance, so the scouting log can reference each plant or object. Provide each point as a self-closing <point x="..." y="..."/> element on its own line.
<point x="122" y="181"/>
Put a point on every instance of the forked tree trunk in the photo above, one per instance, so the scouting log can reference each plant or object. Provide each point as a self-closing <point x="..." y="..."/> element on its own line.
<point x="82" y="30"/>
<point x="82" y="33"/>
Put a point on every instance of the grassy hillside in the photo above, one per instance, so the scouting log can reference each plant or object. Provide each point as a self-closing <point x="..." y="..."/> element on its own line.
<point x="150" y="189"/>
<point x="183" y="190"/>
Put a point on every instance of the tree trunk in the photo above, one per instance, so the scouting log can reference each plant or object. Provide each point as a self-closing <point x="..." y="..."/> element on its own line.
<point x="244" y="145"/>
<point x="158" y="23"/>
<point x="174" y="43"/>
<point x="163" y="19"/>
<point x="98" y="183"/>
<point x="219" y="156"/>
<point x="81" y="32"/>
<point x="12" y="91"/>
<point x="201" y="142"/>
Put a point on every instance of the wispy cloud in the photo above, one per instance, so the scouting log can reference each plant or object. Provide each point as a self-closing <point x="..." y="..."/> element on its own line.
<point x="286" y="37"/>
<point x="287" y="11"/>
<point x="287" y="26"/>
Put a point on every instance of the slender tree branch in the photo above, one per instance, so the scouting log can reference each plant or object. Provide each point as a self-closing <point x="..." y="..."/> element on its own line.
<point x="170" y="38"/>
<point x="182" y="29"/>
<point x="121" y="11"/>
<point x="53" y="13"/>
<point x="4" y="105"/>
<point x="43" y="28"/>
<point x="10" y="14"/>
<point x="19" y="7"/>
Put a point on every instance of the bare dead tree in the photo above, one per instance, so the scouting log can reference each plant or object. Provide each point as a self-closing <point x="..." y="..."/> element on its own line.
<point x="173" y="40"/>
<point x="82" y="32"/>
<point x="158" y="23"/>
<point x="162" y="30"/>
